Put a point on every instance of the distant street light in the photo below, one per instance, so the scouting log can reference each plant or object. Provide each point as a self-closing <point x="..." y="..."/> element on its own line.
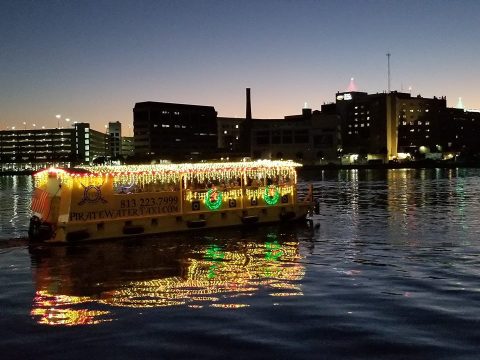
<point x="58" y="116"/>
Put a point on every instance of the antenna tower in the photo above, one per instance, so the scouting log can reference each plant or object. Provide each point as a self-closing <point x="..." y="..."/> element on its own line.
<point x="388" y="67"/>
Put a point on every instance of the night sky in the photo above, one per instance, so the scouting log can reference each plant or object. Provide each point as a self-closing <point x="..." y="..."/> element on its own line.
<point x="91" y="61"/>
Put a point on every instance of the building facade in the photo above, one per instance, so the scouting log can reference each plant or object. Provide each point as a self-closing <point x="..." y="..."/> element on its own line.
<point x="115" y="139"/>
<point x="176" y="132"/>
<point x="39" y="148"/>
<point x="128" y="150"/>
<point x="389" y="125"/>
<point x="310" y="138"/>
<point x="228" y="130"/>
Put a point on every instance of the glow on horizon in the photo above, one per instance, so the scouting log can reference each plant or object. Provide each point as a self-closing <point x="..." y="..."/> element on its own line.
<point x="92" y="61"/>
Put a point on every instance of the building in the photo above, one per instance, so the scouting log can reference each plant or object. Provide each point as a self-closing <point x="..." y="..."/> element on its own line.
<point x="90" y="144"/>
<point x="34" y="149"/>
<point x="176" y="132"/>
<point x="459" y="132"/>
<point x="387" y="126"/>
<point x="128" y="150"/>
<point x="115" y="139"/>
<point x="228" y="130"/>
<point x="310" y="138"/>
<point x="326" y="136"/>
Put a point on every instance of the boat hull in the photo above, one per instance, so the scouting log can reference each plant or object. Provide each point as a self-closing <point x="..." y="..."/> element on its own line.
<point x="128" y="227"/>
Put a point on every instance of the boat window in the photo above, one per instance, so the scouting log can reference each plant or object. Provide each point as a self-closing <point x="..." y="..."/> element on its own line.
<point x="208" y="182"/>
<point x="145" y="185"/>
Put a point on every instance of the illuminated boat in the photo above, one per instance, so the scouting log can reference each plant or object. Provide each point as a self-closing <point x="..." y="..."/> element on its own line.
<point x="117" y="201"/>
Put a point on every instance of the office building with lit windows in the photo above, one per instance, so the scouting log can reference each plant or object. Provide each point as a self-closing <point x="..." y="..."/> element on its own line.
<point x="115" y="139"/>
<point x="386" y="126"/>
<point x="228" y="130"/>
<point x="32" y="149"/>
<point x="177" y="132"/>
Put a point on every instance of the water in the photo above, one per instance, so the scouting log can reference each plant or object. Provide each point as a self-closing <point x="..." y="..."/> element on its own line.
<point x="390" y="270"/>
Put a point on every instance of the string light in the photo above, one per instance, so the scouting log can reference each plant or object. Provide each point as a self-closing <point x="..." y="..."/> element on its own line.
<point x="194" y="178"/>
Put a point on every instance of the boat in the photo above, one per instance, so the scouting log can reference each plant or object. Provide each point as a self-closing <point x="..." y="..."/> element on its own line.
<point x="102" y="202"/>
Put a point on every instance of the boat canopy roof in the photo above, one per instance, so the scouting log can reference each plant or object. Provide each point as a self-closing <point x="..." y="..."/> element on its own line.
<point x="185" y="168"/>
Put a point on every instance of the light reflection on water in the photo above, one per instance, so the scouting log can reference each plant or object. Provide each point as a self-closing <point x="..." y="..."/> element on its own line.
<point x="74" y="284"/>
<point x="391" y="271"/>
<point x="15" y="199"/>
<point x="405" y="204"/>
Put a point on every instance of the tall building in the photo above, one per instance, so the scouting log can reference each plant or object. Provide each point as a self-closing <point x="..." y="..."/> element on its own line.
<point x="175" y="132"/>
<point x="386" y="124"/>
<point x="90" y="144"/>
<point x="128" y="150"/>
<point x="115" y="139"/>
<point x="39" y="148"/>
<point x="459" y="132"/>
<point x="228" y="130"/>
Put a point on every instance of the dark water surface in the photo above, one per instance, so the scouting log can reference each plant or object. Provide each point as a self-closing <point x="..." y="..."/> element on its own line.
<point x="390" y="271"/>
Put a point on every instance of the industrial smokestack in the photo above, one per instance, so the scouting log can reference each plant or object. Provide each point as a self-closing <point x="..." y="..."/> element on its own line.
<point x="248" y="114"/>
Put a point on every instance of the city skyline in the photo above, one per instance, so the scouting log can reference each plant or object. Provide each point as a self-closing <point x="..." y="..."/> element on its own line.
<point x="92" y="61"/>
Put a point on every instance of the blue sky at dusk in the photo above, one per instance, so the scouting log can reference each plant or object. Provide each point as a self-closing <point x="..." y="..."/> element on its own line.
<point x="92" y="61"/>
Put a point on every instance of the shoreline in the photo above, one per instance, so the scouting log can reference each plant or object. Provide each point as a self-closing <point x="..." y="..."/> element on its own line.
<point x="410" y="165"/>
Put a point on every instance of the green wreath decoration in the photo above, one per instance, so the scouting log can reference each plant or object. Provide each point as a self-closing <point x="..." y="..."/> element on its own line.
<point x="271" y="199"/>
<point x="213" y="205"/>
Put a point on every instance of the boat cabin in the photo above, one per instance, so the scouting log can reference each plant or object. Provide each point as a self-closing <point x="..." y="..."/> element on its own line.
<point x="115" y="201"/>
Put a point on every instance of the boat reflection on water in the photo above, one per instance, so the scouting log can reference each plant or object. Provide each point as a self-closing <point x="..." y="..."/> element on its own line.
<point x="84" y="284"/>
